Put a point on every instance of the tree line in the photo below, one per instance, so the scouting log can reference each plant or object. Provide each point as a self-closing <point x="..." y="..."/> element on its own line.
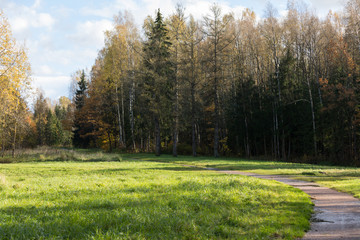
<point x="278" y="87"/>
<point x="282" y="87"/>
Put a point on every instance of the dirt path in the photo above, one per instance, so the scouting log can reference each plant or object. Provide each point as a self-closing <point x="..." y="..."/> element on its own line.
<point x="337" y="215"/>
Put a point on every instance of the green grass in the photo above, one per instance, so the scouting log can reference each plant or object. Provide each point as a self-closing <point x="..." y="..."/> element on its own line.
<point x="88" y="196"/>
<point x="345" y="179"/>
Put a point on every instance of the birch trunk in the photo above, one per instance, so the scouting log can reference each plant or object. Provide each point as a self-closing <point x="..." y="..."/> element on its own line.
<point x="157" y="137"/>
<point x="119" y="116"/>
<point x="14" y="141"/>
<point x="193" y="121"/>
<point x="131" y="112"/>
<point x="312" y="114"/>
<point x="123" y="112"/>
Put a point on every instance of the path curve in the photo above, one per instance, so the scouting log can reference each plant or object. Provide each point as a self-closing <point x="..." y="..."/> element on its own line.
<point x="336" y="215"/>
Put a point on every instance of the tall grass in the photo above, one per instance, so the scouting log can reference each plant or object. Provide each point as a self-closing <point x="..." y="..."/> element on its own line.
<point x="43" y="154"/>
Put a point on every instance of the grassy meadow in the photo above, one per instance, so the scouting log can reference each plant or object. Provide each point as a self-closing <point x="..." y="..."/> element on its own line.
<point x="61" y="194"/>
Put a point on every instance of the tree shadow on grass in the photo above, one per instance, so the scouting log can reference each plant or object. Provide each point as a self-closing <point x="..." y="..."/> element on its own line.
<point x="109" y="170"/>
<point x="324" y="178"/>
<point x="185" y="169"/>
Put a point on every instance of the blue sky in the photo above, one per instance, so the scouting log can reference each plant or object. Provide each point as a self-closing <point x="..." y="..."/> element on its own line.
<point x="64" y="36"/>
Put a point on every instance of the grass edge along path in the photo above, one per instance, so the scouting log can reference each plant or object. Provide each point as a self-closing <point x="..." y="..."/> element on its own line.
<point x="343" y="179"/>
<point x="336" y="215"/>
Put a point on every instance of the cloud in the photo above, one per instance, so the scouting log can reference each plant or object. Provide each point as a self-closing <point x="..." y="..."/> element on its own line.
<point x="36" y="4"/>
<point x="200" y="9"/>
<point x="45" y="70"/>
<point x="330" y="4"/>
<point x="105" y="12"/>
<point x="323" y="9"/>
<point x="23" y="18"/>
<point x="91" y="32"/>
<point x="43" y="20"/>
<point x="141" y="9"/>
<point x="19" y="24"/>
<point x="111" y="9"/>
<point x="32" y="19"/>
<point x="54" y="87"/>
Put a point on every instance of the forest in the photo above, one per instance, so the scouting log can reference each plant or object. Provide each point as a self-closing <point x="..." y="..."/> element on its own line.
<point x="279" y="87"/>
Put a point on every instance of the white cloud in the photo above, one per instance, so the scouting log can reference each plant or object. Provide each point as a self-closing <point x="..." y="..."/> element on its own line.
<point x="43" y="20"/>
<point x="330" y="4"/>
<point x="45" y="70"/>
<point x="91" y="32"/>
<point x="105" y="12"/>
<point x="89" y="54"/>
<point x="60" y="56"/>
<point x="54" y="87"/>
<point x="65" y="12"/>
<point x="43" y="52"/>
<point x="197" y="9"/>
<point x="19" y="24"/>
<point x="36" y="4"/>
<point x="22" y="18"/>
<point x="111" y="9"/>
<point x="283" y="13"/>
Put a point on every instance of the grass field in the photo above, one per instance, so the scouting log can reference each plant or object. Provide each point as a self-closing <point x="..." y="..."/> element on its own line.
<point x="72" y="195"/>
<point x="345" y="179"/>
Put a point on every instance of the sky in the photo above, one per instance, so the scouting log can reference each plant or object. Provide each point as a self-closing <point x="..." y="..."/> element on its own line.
<point x="63" y="36"/>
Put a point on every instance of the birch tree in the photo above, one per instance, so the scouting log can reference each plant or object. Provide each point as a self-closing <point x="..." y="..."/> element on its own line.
<point x="14" y="82"/>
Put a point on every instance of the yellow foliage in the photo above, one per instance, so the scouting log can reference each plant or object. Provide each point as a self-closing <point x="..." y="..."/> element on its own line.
<point x="14" y="77"/>
<point x="210" y="108"/>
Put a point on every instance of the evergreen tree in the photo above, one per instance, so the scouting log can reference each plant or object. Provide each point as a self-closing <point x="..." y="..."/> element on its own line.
<point x="80" y="97"/>
<point x="158" y="82"/>
<point x="40" y="110"/>
<point x="81" y="92"/>
<point x="53" y="129"/>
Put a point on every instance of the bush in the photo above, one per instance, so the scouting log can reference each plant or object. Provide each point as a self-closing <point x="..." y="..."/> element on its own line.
<point x="184" y="149"/>
<point x="67" y="156"/>
<point x="6" y="160"/>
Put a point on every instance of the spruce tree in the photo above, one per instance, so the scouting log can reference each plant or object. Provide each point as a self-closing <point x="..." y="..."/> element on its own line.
<point x="159" y="74"/>
<point x="53" y="129"/>
<point x="80" y="92"/>
<point x="80" y="97"/>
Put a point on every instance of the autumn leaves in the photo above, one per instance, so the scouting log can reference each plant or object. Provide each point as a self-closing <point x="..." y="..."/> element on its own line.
<point x="14" y="81"/>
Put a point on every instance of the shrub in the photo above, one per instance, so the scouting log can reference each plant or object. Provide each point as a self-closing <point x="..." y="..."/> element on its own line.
<point x="184" y="149"/>
<point x="6" y="160"/>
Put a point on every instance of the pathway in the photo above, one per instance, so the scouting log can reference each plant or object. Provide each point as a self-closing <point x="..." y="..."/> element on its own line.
<point x="336" y="215"/>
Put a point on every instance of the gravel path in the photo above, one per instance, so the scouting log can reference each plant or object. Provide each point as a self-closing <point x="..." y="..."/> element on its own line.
<point x="337" y="215"/>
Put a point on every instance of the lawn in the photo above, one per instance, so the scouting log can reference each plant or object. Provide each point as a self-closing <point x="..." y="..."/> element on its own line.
<point x="345" y="179"/>
<point x="71" y="195"/>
